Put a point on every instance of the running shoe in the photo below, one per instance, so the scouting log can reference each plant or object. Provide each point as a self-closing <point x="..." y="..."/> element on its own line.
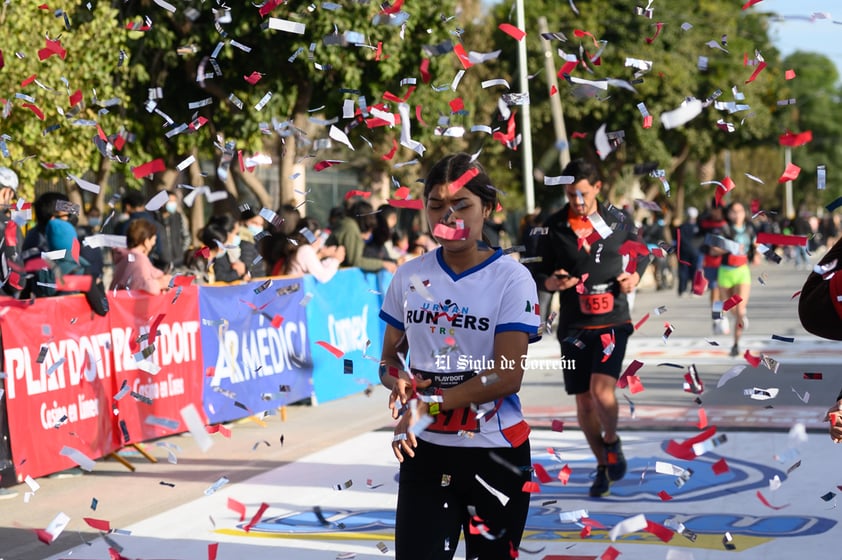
<point x="601" y="485"/>
<point x="616" y="461"/>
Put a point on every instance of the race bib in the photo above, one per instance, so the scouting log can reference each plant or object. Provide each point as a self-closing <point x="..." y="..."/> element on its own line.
<point x="454" y="421"/>
<point x="596" y="304"/>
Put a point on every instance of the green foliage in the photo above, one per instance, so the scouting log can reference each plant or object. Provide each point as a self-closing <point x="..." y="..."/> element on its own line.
<point x="91" y="65"/>
<point x="674" y="77"/>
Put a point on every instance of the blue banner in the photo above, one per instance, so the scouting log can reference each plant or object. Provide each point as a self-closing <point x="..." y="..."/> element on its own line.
<point x="343" y="314"/>
<point x="255" y="347"/>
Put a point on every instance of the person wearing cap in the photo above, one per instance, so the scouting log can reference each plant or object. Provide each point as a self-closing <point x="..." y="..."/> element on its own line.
<point x="11" y="277"/>
<point x="688" y="250"/>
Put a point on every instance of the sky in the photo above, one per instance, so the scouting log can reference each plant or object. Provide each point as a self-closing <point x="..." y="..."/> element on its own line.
<point x="822" y="36"/>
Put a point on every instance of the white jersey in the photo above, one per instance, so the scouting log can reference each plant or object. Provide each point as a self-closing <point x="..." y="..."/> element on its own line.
<point x="450" y="321"/>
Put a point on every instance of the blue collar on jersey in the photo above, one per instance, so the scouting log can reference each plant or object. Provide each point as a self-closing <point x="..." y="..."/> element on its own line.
<point x="453" y="276"/>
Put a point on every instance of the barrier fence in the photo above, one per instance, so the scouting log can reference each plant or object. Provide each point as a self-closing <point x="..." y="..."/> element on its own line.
<point x="78" y="381"/>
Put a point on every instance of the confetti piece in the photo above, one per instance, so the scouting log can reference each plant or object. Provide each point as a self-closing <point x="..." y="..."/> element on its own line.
<point x="664" y="495"/>
<point x="627" y="526"/>
<point x="85" y="462"/>
<point x="542" y="474"/>
<point x="98" y="524"/>
<point x="216" y="485"/>
<point x="193" y="421"/>
<point x="719" y="467"/>
<point x="494" y="492"/>
<point x="790" y="174"/>
<point x="766" y="502"/>
<point x="557" y="425"/>
<point x="54" y="529"/>
<point x="256" y="519"/>
<point x="237" y="507"/>
<point x="332" y="349"/>
<point x="752" y="359"/>
<point x="610" y="553"/>
<point x="150" y="168"/>
<point x="512" y="31"/>
<point x="813" y="376"/>
<point x="564" y="474"/>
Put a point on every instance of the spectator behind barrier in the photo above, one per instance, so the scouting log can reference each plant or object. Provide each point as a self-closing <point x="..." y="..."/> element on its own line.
<point x="134" y="270"/>
<point x="134" y="204"/>
<point x="174" y="232"/>
<point x="223" y="249"/>
<point x="352" y="231"/>
<point x="251" y="231"/>
<point x="306" y="253"/>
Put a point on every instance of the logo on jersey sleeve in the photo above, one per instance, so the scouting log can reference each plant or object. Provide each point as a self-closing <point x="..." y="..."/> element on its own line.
<point x="532" y="308"/>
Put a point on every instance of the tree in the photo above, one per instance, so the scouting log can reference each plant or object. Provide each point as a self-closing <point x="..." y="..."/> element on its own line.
<point x="616" y="33"/>
<point x="62" y="77"/>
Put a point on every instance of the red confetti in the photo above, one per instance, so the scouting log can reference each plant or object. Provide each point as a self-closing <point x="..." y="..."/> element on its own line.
<point x="392" y="152"/>
<point x="642" y="320"/>
<point x="393" y="9"/>
<point x="28" y="80"/>
<point x="553" y="90"/>
<point x="721" y="190"/>
<point x="564" y="474"/>
<point x="659" y="531"/>
<point x="558" y="426"/>
<point x="379" y="52"/>
<point x="684" y="450"/>
<point x="585" y="532"/>
<point x="76" y="97"/>
<point x="203" y="252"/>
<point x="277" y="320"/>
<point x="332" y="349"/>
<point x="418" y="117"/>
<point x="268" y="6"/>
<point x="635" y="385"/>
<point x="631" y="369"/>
<point x="731" y="302"/>
<point x="98" y="524"/>
<point x="719" y="467"/>
<point x="322" y="165"/>
<point x="73" y="283"/>
<point x="610" y="553"/>
<point x="401" y="193"/>
<point x="658" y="27"/>
<point x="183" y="280"/>
<point x="34" y="108"/>
<point x="425" y="71"/>
<point x="789" y="74"/>
<point x="210" y="371"/>
<point x="542" y="474"/>
<point x="153" y="328"/>
<point x="514" y="32"/>
<point x="781" y="239"/>
<point x="752" y="359"/>
<point x="567" y="68"/>
<point x="237" y="507"/>
<point x="457" y="105"/>
<point x="579" y="33"/>
<point x="253" y="78"/>
<point x="52" y="48"/>
<point x="766" y="503"/>
<point x="463" y="56"/>
<point x="509" y="137"/>
<point x="219" y="429"/>
<point x="256" y="519"/>
<point x="580" y="135"/>
<point x="463" y="180"/>
<point x="790" y="173"/>
<point x="793" y="140"/>
<point x="414" y="204"/>
<point x="664" y="495"/>
<point x="703" y="419"/>
<point x="531" y="487"/>
<point x="442" y="231"/>
<point x="751" y="3"/>
<point x="647" y="121"/>
<point x="756" y="72"/>
<point x="353" y="193"/>
<point x="150" y="168"/>
<point x="213" y="548"/>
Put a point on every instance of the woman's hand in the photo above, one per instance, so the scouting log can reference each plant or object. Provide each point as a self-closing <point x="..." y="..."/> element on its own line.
<point x="403" y="390"/>
<point x="404" y="441"/>
<point x="560" y="281"/>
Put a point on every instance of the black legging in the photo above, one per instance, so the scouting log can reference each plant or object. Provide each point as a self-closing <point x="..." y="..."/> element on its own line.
<point x="437" y="487"/>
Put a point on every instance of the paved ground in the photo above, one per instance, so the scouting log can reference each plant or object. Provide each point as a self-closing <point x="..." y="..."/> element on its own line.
<point x="323" y="443"/>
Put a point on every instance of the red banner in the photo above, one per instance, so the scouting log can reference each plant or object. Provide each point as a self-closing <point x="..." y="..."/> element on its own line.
<point x="94" y="384"/>
<point x="157" y="362"/>
<point x="59" y="383"/>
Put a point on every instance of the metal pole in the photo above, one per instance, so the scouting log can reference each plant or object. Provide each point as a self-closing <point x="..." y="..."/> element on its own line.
<point x="789" y="207"/>
<point x="528" y="177"/>
<point x="555" y="100"/>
